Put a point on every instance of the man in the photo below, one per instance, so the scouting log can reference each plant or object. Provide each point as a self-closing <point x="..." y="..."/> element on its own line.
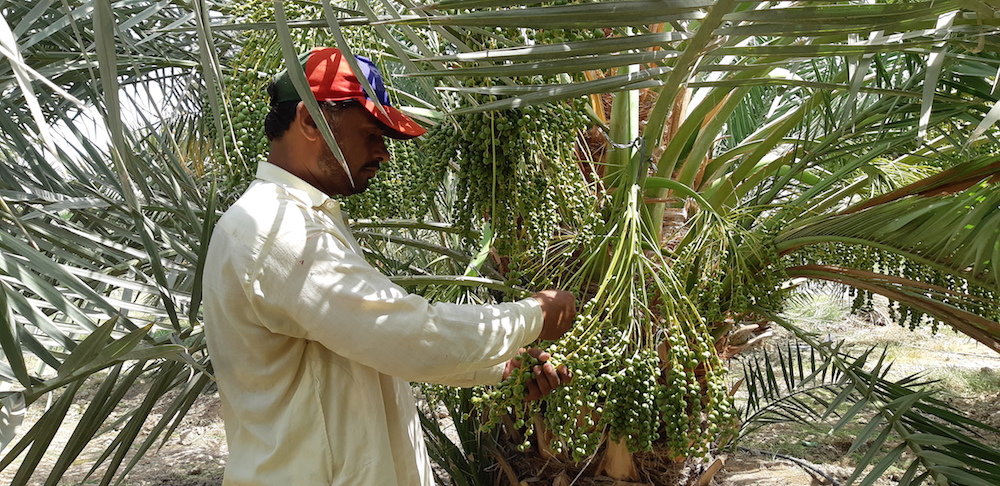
<point x="313" y="349"/>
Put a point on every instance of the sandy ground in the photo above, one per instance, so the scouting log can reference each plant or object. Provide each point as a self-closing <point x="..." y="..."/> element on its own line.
<point x="195" y="455"/>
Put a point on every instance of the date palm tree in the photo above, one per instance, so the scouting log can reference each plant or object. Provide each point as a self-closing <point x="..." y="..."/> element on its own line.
<point x="781" y="128"/>
<point x="781" y="123"/>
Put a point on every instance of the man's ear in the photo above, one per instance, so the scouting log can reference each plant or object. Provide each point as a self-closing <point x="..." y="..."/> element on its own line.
<point x="305" y="123"/>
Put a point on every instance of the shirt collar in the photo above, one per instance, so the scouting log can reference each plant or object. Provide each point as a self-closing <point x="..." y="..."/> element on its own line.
<point x="299" y="188"/>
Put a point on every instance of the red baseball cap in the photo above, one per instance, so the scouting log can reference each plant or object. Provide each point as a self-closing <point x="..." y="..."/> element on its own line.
<point x="331" y="79"/>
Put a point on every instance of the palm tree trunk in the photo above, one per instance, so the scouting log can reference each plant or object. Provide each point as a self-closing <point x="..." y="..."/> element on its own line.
<point x="617" y="462"/>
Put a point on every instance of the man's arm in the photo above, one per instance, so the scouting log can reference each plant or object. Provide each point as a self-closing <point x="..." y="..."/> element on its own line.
<point x="558" y="313"/>
<point x="317" y="288"/>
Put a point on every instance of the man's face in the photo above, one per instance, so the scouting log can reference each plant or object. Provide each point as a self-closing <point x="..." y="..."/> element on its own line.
<point x="362" y="141"/>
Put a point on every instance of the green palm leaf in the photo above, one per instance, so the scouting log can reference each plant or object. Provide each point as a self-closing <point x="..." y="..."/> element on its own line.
<point x="905" y="411"/>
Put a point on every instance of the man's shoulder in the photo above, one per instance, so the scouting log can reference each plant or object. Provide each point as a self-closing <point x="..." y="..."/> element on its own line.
<point x="263" y="202"/>
<point x="264" y="209"/>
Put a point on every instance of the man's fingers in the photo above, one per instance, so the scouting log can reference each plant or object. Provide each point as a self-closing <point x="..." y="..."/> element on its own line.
<point x="533" y="392"/>
<point x="547" y="373"/>
<point x="538" y="354"/>
<point x="545" y="377"/>
<point x="544" y="385"/>
<point x="517" y="359"/>
<point x="565" y="375"/>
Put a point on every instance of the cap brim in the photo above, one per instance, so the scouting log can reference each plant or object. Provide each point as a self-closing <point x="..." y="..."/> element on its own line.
<point x="401" y="127"/>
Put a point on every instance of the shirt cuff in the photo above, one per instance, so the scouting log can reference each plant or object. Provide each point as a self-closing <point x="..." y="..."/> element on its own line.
<point x="532" y="319"/>
<point x="485" y="376"/>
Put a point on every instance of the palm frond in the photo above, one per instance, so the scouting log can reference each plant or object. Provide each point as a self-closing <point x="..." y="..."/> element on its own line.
<point x="99" y="270"/>
<point x="956" y="233"/>
<point x="907" y="415"/>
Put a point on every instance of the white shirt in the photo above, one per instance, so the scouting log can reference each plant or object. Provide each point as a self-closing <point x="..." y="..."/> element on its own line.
<point x="313" y="348"/>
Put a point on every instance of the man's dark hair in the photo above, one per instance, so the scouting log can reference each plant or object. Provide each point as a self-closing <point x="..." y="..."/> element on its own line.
<point x="280" y="117"/>
<point x="282" y="114"/>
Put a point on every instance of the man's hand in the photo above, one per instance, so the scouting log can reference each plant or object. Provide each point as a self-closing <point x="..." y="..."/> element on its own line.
<point x="558" y="313"/>
<point x="545" y="376"/>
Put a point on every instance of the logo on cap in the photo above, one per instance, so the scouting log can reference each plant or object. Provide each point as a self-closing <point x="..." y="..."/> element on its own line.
<point x="331" y="79"/>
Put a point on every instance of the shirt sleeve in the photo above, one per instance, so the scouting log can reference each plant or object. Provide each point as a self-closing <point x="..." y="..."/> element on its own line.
<point x="317" y="288"/>
<point x="485" y="376"/>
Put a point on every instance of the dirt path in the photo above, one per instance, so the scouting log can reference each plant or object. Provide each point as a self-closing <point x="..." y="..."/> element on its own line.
<point x="762" y="470"/>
